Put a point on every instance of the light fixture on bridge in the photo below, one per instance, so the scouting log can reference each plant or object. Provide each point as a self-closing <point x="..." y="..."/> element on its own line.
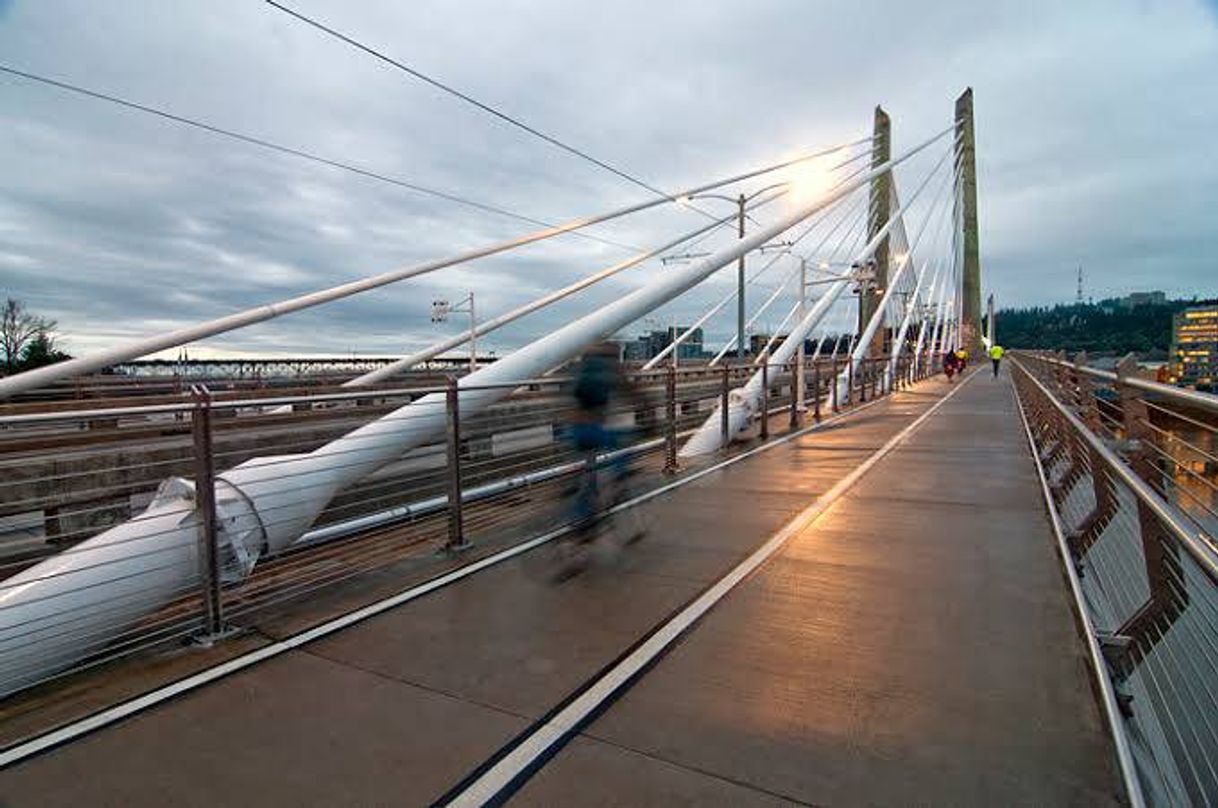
<point x="440" y="309"/>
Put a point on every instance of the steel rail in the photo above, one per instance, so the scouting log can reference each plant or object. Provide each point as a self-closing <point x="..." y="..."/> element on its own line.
<point x="1205" y="401"/>
<point x="1194" y="543"/>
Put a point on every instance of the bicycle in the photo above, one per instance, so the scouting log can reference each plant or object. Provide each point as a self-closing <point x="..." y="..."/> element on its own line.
<point x="602" y="484"/>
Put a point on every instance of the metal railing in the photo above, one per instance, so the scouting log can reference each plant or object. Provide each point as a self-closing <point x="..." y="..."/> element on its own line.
<point x="67" y="475"/>
<point x="1131" y="475"/>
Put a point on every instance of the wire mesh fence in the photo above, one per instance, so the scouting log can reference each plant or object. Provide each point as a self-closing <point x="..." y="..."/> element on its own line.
<point x="1126" y="462"/>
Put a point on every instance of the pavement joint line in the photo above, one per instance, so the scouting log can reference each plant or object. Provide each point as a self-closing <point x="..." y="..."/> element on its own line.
<point x="697" y="770"/>
<point x="502" y="775"/>
<point x="1120" y="740"/>
<point x="388" y="677"/>
<point x="73" y="730"/>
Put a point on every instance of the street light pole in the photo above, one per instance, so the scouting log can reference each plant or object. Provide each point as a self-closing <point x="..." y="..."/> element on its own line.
<point x="741" y="200"/>
<point x="741" y="203"/>
<point x="473" y="336"/>
<point x="800" y="404"/>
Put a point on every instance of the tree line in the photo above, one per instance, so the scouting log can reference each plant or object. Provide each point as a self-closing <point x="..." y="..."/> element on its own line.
<point x="1107" y="327"/>
<point x="27" y="341"/>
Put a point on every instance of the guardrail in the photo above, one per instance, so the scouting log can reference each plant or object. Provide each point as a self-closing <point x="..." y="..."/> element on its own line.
<point x="1127" y="465"/>
<point x="69" y="474"/>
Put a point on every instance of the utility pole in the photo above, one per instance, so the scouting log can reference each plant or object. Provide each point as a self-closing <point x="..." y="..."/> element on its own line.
<point x="798" y="383"/>
<point x="879" y="210"/>
<point x="740" y="286"/>
<point x="440" y="309"/>
<point x="970" y="337"/>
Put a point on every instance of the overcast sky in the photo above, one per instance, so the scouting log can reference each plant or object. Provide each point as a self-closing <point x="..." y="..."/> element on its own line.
<point x="1096" y="127"/>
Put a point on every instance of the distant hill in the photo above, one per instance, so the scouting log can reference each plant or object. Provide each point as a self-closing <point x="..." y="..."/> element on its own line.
<point x="1107" y="327"/>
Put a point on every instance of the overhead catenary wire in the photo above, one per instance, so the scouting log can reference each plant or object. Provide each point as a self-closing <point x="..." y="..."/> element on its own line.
<point x="851" y="214"/>
<point x="407" y="362"/>
<point x="31" y="379"/>
<point x="678" y="339"/>
<point x="254" y="140"/>
<point x="467" y="98"/>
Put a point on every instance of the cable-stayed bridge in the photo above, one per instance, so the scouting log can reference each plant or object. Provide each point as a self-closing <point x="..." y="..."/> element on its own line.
<point x="861" y="582"/>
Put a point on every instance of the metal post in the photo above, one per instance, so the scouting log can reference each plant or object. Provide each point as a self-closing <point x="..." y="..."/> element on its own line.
<point x="473" y="336"/>
<point x="456" y="523"/>
<point x="796" y="379"/>
<point x="765" y="396"/>
<point x="1160" y="554"/>
<point x="799" y="390"/>
<point x="724" y="390"/>
<point x="833" y="385"/>
<point x="740" y="353"/>
<point x="849" y="382"/>
<point x="875" y="379"/>
<point x="670" y="426"/>
<point x="205" y="502"/>
<point x="816" y="392"/>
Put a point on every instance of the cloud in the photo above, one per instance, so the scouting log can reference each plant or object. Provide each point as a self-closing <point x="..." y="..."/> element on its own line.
<point x="1094" y="120"/>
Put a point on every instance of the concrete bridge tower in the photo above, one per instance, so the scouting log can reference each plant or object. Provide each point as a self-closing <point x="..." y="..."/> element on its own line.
<point x="878" y="213"/>
<point x="967" y="210"/>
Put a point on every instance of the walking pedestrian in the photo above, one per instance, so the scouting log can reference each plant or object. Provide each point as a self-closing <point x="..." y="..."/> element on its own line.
<point x="996" y="353"/>
<point x="949" y="364"/>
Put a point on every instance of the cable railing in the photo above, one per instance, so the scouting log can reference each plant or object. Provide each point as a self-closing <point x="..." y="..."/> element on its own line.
<point x="1131" y="480"/>
<point x="494" y="477"/>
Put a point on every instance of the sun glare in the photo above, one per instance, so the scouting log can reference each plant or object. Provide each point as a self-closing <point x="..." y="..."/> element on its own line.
<point x="809" y="181"/>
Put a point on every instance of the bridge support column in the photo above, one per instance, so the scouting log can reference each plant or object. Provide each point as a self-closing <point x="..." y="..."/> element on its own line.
<point x="970" y="338"/>
<point x="879" y="211"/>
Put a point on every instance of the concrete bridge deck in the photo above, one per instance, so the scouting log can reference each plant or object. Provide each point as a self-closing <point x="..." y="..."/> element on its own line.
<point x="914" y="644"/>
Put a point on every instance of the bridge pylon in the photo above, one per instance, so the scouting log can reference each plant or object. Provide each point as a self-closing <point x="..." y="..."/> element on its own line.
<point x="878" y="213"/>
<point x="966" y="203"/>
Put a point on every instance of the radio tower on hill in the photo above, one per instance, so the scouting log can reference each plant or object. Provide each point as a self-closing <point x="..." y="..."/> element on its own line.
<point x="1078" y="295"/>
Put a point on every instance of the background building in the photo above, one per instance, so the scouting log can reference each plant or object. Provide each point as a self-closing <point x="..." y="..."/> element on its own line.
<point x="647" y="346"/>
<point x="1194" y="348"/>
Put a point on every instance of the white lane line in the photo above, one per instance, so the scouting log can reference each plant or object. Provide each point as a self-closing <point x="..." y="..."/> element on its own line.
<point x="110" y="715"/>
<point x="491" y="784"/>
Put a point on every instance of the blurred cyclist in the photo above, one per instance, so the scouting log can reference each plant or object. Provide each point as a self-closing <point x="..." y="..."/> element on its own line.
<point x="600" y="386"/>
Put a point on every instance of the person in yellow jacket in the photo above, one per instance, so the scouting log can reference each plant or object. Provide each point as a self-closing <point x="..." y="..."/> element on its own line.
<point x="996" y="353"/>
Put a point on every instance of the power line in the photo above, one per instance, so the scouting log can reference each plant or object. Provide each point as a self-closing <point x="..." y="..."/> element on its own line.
<point x="294" y="152"/>
<point x="487" y="108"/>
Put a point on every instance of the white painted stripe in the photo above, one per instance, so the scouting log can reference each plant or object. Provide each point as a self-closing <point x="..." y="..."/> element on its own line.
<point x="518" y="760"/>
<point x="1129" y="774"/>
<point x="100" y="719"/>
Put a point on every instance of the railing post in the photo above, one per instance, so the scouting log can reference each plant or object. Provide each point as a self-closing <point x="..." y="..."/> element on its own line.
<point x="797" y="378"/>
<point x="849" y="381"/>
<point x="725" y="387"/>
<point x="456" y="516"/>
<point x="1159" y="553"/>
<point x="834" y="385"/>
<point x="816" y="392"/>
<point x="205" y="503"/>
<point x="765" y="395"/>
<point x="670" y="416"/>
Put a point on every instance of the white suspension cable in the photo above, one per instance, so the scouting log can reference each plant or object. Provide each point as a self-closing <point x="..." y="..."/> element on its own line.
<point x="31" y="379"/>
<point x="405" y="363"/>
<point x="731" y="342"/>
<point x="679" y="339"/>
